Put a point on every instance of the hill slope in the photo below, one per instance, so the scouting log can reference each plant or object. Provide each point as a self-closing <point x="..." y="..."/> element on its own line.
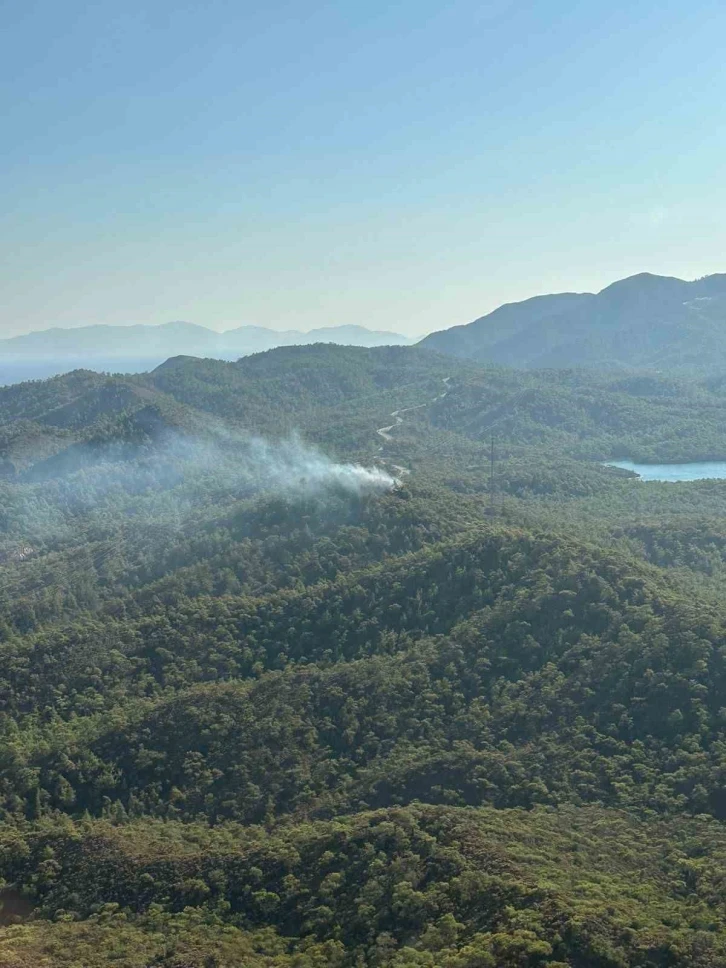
<point x="646" y="321"/>
<point x="413" y="887"/>
<point x="485" y="753"/>
<point x="286" y="725"/>
<point x="433" y="409"/>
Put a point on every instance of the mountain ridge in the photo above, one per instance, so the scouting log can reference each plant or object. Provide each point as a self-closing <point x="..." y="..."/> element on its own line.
<point x="227" y="340"/>
<point x="644" y="321"/>
<point x="138" y="347"/>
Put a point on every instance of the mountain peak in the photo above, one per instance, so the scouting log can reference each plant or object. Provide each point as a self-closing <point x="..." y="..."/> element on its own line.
<point x="642" y="278"/>
<point x="643" y="321"/>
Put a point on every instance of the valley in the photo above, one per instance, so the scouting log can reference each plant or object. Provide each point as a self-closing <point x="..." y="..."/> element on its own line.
<point x="276" y="708"/>
<point x="363" y="485"/>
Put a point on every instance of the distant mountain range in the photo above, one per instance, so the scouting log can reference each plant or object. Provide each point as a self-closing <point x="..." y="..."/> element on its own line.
<point x="133" y="349"/>
<point x="643" y="322"/>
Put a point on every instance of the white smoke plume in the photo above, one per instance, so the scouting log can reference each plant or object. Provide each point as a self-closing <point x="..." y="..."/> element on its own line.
<point x="291" y="465"/>
<point x="175" y="479"/>
<point x="222" y="456"/>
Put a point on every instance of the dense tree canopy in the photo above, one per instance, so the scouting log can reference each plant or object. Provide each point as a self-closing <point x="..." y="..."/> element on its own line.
<point x="313" y="721"/>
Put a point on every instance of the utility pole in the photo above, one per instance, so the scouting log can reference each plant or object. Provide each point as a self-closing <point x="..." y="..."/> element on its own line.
<point x="492" y="508"/>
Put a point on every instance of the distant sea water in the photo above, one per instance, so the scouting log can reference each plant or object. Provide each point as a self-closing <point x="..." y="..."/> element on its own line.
<point x="695" y="471"/>
<point x="18" y="371"/>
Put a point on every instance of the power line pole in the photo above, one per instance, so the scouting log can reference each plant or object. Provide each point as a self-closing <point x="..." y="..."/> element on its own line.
<point x="492" y="507"/>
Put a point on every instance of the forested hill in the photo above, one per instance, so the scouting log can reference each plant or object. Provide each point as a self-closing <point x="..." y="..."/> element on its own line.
<point x="340" y="396"/>
<point x="288" y="680"/>
<point x="647" y="322"/>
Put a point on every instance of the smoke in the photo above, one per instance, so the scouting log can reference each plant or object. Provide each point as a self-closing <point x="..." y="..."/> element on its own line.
<point x="169" y="484"/>
<point x="222" y="456"/>
<point x="220" y="460"/>
<point x="290" y="465"/>
<point x="113" y="505"/>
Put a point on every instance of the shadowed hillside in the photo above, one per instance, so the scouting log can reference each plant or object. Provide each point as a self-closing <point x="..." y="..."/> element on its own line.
<point x="645" y="322"/>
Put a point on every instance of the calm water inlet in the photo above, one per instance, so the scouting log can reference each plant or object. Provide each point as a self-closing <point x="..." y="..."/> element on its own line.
<point x="674" y="472"/>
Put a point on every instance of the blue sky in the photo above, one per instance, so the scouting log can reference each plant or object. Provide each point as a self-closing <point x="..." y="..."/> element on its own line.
<point x="403" y="166"/>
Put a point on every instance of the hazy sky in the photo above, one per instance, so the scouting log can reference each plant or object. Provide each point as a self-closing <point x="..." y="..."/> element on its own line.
<point x="405" y="165"/>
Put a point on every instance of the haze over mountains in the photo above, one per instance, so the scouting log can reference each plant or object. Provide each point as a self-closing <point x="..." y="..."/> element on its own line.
<point x="643" y="322"/>
<point x="133" y="349"/>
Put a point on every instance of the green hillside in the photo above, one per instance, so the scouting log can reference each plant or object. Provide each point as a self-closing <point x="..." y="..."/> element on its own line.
<point x="317" y="716"/>
<point x="407" y="886"/>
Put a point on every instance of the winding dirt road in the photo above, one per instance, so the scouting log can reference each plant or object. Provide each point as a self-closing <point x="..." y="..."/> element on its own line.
<point x="385" y="432"/>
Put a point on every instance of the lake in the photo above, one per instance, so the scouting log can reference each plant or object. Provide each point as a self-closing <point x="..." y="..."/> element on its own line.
<point x="674" y="472"/>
